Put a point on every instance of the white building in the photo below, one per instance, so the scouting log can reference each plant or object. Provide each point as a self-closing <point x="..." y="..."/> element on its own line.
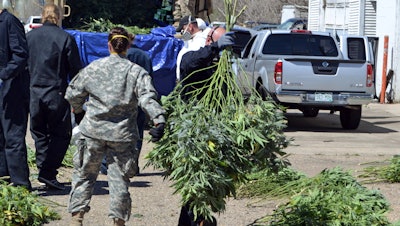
<point x="372" y="18"/>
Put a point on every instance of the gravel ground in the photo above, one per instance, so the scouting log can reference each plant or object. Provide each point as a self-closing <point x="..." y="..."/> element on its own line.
<point x="154" y="204"/>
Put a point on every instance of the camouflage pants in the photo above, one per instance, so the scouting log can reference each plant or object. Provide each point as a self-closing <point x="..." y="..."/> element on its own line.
<point x="87" y="160"/>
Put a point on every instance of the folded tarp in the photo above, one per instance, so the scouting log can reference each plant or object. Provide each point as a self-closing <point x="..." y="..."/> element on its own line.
<point x="160" y="44"/>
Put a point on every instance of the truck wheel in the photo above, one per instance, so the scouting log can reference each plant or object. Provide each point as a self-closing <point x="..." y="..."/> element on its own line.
<point x="262" y="91"/>
<point x="350" y="117"/>
<point x="310" y="112"/>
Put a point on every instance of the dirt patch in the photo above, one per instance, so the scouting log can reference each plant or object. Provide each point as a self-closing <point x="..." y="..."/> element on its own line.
<point x="319" y="144"/>
<point x="153" y="201"/>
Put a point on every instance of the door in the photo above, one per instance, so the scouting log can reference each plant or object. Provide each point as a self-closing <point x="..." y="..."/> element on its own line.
<point x="244" y="68"/>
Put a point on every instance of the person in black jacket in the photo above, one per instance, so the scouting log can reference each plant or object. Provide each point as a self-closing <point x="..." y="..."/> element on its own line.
<point x="140" y="57"/>
<point x="53" y="61"/>
<point x="14" y="101"/>
<point x="217" y="39"/>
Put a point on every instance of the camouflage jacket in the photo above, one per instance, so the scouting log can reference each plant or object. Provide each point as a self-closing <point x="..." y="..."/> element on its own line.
<point x="112" y="88"/>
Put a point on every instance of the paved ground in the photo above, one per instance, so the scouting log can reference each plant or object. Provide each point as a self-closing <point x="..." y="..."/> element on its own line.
<point x="319" y="143"/>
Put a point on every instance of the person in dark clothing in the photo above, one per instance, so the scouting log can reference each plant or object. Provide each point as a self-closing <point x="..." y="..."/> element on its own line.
<point x="14" y="101"/>
<point x="202" y="58"/>
<point x="141" y="58"/>
<point x="217" y="39"/>
<point x="53" y="60"/>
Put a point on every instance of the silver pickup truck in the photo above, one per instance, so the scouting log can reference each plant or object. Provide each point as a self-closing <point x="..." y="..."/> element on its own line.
<point x="310" y="71"/>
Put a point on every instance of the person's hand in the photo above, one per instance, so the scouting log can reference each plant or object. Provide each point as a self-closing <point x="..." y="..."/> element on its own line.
<point x="79" y="117"/>
<point x="157" y="132"/>
<point x="226" y="40"/>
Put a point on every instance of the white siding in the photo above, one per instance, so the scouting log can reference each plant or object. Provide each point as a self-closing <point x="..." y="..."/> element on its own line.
<point x="314" y="13"/>
<point x="335" y="18"/>
<point x="370" y="18"/>
<point x="396" y="53"/>
<point x="354" y="17"/>
<point x="343" y="16"/>
<point x="385" y="25"/>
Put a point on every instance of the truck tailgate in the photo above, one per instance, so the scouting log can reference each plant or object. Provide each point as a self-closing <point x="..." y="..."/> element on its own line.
<point x="324" y="75"/>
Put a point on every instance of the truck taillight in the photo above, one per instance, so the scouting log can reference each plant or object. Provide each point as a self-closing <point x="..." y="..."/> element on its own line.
<point x="33" y="26"/>
<point x="370" y="78"/>
<point x="278" y="72"/>
<point x="300" y="31"/>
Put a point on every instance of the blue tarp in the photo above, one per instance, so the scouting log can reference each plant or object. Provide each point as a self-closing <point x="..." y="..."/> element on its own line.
<point x="160" y="44"/>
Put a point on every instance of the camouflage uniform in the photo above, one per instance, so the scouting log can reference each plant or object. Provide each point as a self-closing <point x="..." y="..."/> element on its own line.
<point x="182" y="8"/>
<point x="114" y="87"/>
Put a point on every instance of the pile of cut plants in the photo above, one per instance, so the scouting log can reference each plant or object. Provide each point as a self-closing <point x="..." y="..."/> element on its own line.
<point x="213" y="141"/>
<point x="386" y="171"/>
<point x="18" y="206"/>
<point x="105" y="25"/>
<point x="271" y="184"/>
<point x="333" y="197"/>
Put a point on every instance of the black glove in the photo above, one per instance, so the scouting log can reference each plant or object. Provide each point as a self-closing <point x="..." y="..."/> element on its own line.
<point x="79" y="117"/>
<point x="157" y="132"/>
<point x="225" y="40"/>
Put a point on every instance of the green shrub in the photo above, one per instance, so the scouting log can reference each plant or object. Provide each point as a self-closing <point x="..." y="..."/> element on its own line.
<point x="102" y="25"/>
<point x="20" y="207"/>
<point x="269" y="184"/>
<point x="333" y="197"/>
<point x="388" y="172"/>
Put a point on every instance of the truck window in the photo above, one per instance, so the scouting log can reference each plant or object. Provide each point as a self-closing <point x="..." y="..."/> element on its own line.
<point x="278" y="45"/>
<point x="300" y="44"/>
<point x="248" y="47"/>
<point x="356" y="49"/>
<point x="241" y="39"/>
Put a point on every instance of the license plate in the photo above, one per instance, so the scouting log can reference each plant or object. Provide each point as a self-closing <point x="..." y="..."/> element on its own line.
<point x="323" y="97"/>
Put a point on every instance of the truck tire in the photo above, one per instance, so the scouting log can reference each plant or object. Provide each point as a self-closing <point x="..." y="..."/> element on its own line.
<point x="350" y="117"/>
<point x="310" y="112"/>
<point x="262" y="91"/>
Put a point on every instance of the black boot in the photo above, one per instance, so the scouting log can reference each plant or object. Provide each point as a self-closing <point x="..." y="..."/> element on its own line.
<point x="186" y="218"/>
